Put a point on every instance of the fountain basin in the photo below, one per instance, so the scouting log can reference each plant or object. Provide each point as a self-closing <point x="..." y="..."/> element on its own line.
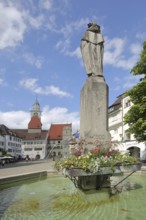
<point x="56" y="198"/>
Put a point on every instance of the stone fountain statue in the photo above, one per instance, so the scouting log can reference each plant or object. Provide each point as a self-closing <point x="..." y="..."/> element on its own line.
<point x="94" y="118"/>
<point x="92" y="50"/>
<point x="94" y="94"/>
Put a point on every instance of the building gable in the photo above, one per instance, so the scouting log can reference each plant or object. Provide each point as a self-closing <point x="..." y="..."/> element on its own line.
<point x="56" y="131"/>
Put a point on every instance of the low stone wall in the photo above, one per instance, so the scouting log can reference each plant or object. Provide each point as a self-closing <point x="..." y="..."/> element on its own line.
<point x="10" y="181"/>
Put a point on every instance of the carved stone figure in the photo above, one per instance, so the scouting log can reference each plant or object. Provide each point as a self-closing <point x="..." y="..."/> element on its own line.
<point x="92" y="50"/>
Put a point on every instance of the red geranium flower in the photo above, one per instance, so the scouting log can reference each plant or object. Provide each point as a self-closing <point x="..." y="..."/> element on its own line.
<point x="77" y="153"/>
<point x="95" y="150"/>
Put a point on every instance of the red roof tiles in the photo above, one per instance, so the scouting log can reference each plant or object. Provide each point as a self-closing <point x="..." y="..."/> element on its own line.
<point x="56" y="131"/>
<point x="35" y="123"/>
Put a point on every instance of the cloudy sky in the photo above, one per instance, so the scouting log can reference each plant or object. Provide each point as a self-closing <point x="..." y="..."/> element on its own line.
<point x="40" y="54"/>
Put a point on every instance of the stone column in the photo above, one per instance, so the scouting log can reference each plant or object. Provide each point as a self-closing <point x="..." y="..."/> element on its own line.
<point x="94" y="113"/>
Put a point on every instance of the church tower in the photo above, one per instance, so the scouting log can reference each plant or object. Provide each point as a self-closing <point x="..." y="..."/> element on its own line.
<point x="35" y="125"/>
<point x="36" y="109"/>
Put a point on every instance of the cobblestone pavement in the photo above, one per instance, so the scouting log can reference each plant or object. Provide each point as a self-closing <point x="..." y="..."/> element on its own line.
<point x="26" y="167"/>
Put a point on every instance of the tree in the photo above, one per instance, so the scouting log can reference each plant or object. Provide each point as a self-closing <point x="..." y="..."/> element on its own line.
<point x="4" y="152"/>
<point x="136" y="116"/>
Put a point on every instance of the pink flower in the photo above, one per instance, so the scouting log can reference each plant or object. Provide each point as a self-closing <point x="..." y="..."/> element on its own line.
<point x="107" y="154"/>
<point x="77" y="153"/>
<point x="95" y="150"/>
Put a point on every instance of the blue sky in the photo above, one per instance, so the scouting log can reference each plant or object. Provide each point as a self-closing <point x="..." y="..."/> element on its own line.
<point x="40" y="54"/>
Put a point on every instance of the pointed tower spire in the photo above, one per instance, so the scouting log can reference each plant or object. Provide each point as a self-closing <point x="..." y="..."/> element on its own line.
<point x="36" y="109"/>
<point x="35" y="124"/>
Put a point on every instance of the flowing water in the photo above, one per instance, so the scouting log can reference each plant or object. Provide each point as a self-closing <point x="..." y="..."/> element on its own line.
<point x="56" y="198"/>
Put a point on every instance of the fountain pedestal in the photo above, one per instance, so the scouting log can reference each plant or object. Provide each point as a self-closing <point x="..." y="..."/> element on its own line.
<point x="93" y="110"/>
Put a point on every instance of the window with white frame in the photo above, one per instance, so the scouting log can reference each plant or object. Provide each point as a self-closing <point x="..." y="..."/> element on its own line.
<point x="127" y="104"/>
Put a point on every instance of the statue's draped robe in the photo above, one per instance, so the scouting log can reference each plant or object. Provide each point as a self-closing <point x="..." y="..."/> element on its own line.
<point x="92" y="52"/>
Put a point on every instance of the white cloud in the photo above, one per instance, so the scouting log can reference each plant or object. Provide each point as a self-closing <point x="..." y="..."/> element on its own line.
<point x="35" y="61"/>
<point x="2" y="82"/>
<point x="60" y="115"/>
<point x="20" y="119"/>
<point x="36" y="22"/>
<point x="46" y="4"/>
<point x="135" y="48"/>
<point x="31" y="84"/>
<point x="12" y="26"/>
<point x="127" y="82"/>
<point x="116" y="50"/>
<point x="68" y="31"/>
<point x="63" y="46"/>
<point x="14" y="21"/>
<point x="131" y="81"/>
<point x="115" y="53"/>
<point x="141" y="36"/>
<point x="125" y="64"/>
<point x="113" y="50"/>
<point x="73" y="27"/>
<point x="15" y="119"/>
<point x="76" y="53"/>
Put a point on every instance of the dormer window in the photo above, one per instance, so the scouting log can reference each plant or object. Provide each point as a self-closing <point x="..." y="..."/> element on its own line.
<point x="111" y="109"/>
<point x="127" y="104"/>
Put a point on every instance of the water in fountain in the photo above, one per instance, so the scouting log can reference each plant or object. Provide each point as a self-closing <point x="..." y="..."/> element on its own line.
<point x="56" y="198"/>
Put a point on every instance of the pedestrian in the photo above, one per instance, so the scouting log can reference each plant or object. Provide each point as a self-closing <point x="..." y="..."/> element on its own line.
<point x="2" y="163"/>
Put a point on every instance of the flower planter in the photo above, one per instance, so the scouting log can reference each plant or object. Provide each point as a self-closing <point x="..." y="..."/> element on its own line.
<point x="104" y="170"/>
<point x="87" y="180"/>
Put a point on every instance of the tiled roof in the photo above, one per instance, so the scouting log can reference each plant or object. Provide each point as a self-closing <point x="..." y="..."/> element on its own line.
<point x="35" y="123"/>
<point x="23" y="134"/>
<point x="6" y="131"/>
<point x="116" y="105"/>
<point x="117" y="102"/>
<point x="56" y="131"/>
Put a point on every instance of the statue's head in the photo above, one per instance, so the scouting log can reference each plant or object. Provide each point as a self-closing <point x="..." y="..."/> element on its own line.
<point x="93" y="27"/>
<point x="89" y="25"/>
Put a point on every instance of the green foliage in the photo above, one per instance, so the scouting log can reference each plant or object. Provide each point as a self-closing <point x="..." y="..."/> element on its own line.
<point x="136" y="116"/>
<point x="4" y="152"/>
<point x="140" y="67"/>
